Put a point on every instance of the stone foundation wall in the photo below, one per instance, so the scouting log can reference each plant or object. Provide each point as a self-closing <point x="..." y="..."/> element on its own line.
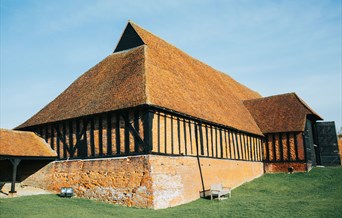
<point x="148" y="181"/>
<point x="283" y="167"/>
<point x="123" y="180"/>
<point x="177" y="180"/>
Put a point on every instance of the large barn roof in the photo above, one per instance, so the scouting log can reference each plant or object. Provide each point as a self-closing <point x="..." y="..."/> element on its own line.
<point x="23" y="144"/>
<point x="280" y="113"/>
<point x="145" y="69"/>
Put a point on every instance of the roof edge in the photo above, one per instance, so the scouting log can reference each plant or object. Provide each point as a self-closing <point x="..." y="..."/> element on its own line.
<point x="290" y="94"/>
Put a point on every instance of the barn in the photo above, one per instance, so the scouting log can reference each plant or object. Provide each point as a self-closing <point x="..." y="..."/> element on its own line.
<point x="150" y="126"/>
<point x="21" y="155"/>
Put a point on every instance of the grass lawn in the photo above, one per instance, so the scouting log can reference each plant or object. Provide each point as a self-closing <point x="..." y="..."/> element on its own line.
<point x="314" y="194"/>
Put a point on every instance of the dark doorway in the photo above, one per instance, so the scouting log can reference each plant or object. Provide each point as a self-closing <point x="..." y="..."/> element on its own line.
<point x="310" y="154"/>
<point x="327" y="143"/>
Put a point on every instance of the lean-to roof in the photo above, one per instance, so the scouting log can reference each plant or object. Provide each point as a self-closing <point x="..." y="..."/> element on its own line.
<point x="23" y="144"/>
<point x="280" y="113"/>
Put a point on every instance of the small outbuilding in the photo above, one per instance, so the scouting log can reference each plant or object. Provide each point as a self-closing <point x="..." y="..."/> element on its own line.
<point x="22" y="154"/>
<point x="294" y="140"/>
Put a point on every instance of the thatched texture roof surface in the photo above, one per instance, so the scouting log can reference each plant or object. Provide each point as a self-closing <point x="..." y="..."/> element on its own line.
<point x="156" y="73"/>
<point x="116" y="82"/>
<point x="280" y="113"/>
<point x="23" y="144"/>
<point x="177" y="81"/>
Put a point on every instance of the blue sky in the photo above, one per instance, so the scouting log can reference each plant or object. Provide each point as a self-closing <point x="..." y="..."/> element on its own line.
<point x="272" y="47"/>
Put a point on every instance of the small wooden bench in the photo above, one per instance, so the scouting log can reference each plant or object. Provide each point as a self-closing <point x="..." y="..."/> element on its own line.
<point x="218" y="190"/>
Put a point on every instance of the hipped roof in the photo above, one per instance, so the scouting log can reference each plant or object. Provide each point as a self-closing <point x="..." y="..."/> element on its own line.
<point x="280" y="113"/>
<point x="23" y="144"/>
<point x="151" y="71"/>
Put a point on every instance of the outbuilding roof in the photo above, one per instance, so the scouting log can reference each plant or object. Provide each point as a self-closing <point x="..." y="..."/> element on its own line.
<point x="24" y="144"/>
<point x="145" y="69"/>
<point x="280" y="113"/>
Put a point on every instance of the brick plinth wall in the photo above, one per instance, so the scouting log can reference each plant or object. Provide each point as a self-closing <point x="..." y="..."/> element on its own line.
<point x="147" y="181"/>
<point x="177" y="180"/>
<point x="283" y="167"/>
<point x="123" y="181"/>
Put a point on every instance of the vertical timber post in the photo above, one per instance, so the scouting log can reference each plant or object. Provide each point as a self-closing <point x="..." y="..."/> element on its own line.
<point x="15" y="162"/>
<point x="147" y="122"/>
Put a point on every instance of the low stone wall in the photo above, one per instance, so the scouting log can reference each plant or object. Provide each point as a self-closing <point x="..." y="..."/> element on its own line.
<point x="283" y="167"/>
<point x="123" y="181"/>
<point x="148" y="181"/>
<point x="177" y="180"/>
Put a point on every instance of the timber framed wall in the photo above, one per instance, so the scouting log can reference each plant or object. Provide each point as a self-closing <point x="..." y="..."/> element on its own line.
<point x="147" y="130"/>
<point x="283" y="150"/>
<point x="177" y="134"/>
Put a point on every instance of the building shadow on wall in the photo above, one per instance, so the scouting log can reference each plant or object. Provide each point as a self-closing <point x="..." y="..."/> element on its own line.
<point x="25" y="169"/>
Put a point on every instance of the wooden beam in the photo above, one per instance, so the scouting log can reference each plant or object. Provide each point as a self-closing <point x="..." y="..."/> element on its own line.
<point x="226" y="142"/>
<point x="185" y="139"/>
<point x="221" y="143"/>
<point x="212" y="141"/>
<point x="133" y="130"/>
<point x="71" y="153"/>
<point x="267" y="149"/>
<point x="237" y="146"/>
<point x="65" y="145"/>
<point x="92" y="140"/>
<point x="288" y="146"/>
<point x="274" y="148"/>
<point x="296" y="145"/>
<point x="57" y="144"/>
<point x="52" y="137"/>
<point x="230" y="146"/>
<point x="201" y="139"/>
<point x="79" y="134"/>
<point x="172" y="148"/>
<point x="243" y="154"/>
<point x="136" y="128"/>
<point x="158" y="130"/>
<point x="117" y="134"/>
<point x="196" y="139"/>
<point x="281" y="147"/>
<point x="207" y="139"/>
<point x="190" y="135"/>
<point x="127" y="142"/>
<point x="46" y="133"/>
<point x="178" y="134"/>
<point x="15" y="162"/>
<point x="148" y="134"/>
<point x="100" y="135"/>
<point x="109" y="134"/>
<point x="165" y="133"/>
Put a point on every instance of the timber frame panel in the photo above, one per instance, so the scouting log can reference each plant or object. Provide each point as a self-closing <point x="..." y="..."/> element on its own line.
<point x="148" y="129"/>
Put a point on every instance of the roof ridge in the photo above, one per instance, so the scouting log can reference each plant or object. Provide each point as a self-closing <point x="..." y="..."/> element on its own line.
<point x="271" y="96"/>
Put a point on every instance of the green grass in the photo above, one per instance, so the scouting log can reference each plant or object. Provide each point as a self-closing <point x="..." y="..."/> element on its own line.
<point x="314" y="194"/>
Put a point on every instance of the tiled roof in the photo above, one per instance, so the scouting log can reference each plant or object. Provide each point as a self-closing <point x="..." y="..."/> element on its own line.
<point x="23" y="144"/>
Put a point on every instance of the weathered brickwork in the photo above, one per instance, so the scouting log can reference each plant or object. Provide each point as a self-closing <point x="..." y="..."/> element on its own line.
<point x="283" y="167"/>
<point x="123" y="181"/>
<point x="177" y="180"/>
<point x="148" y="181"/>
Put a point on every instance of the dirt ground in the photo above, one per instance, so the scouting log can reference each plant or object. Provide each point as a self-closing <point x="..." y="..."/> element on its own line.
<point x="21" y="190"/>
